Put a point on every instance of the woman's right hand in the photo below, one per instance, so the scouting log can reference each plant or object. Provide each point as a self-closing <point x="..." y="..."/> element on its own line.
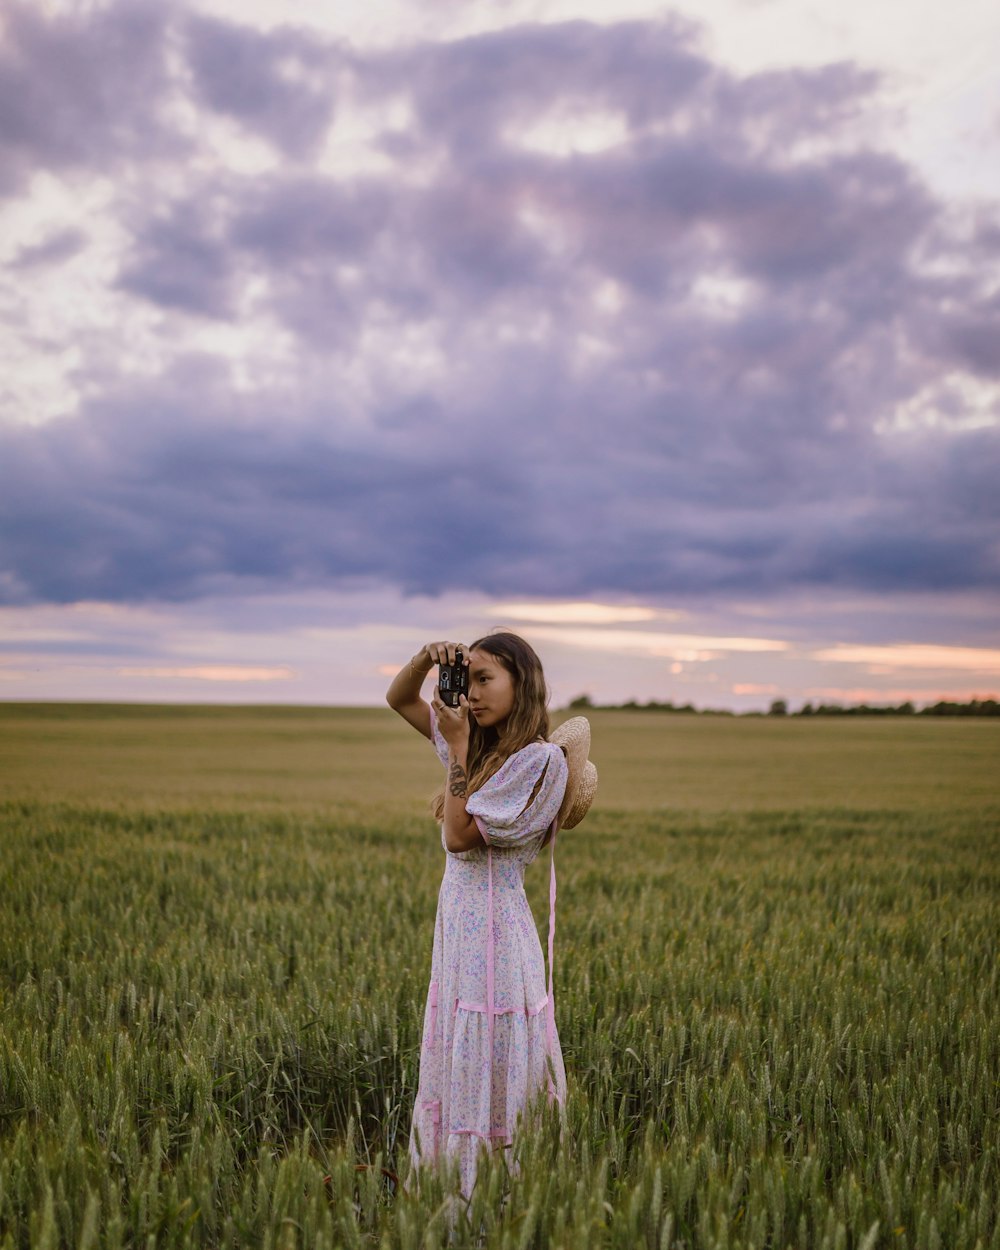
<point x="403" y="695"/>
<point x="440" y="653"/>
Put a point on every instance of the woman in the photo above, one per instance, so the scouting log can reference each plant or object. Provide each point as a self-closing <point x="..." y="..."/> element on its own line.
<point x="489" y="1038"/>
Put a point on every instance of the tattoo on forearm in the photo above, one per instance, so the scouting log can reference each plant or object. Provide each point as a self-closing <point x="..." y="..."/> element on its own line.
<point x="457" y="779"/>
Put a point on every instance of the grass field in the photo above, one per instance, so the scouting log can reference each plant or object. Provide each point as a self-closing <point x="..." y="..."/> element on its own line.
<point x="776" y="980"/>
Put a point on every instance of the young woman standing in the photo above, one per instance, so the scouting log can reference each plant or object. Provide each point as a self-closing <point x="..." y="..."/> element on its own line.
<point x="489" y="1037"/>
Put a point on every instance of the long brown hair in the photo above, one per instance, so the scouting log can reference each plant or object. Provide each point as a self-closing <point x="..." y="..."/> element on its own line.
<point x="528" y="720"/>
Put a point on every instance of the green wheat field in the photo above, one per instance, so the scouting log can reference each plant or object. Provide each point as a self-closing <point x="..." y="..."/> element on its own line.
<point x="777" y="985"/>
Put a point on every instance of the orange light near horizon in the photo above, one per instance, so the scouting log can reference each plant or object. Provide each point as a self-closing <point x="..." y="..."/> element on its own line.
<point x="894" y="656"/>
<point x="869" y="694"/>
<point x="214" y="672"/>
<point x="578" y="613"/>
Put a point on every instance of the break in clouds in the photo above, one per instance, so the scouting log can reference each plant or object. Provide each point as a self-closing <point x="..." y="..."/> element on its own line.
<point x="556" y="310"/>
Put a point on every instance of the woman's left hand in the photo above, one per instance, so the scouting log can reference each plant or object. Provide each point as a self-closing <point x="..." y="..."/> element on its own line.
<point x="452" y="721"/>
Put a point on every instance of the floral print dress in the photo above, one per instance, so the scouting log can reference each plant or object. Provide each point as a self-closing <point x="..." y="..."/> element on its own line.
<point x="480" y="1067"/>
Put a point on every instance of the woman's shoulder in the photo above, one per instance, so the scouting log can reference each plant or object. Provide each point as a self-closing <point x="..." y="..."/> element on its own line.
<point x="533" y="756"/>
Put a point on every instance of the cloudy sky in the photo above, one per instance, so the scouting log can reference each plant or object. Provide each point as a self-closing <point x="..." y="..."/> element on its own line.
<point x="667" y="336"/>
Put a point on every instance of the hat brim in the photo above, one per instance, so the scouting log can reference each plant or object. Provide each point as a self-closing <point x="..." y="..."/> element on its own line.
<point x="573" y="736"/>
<point x="582" y="798"/>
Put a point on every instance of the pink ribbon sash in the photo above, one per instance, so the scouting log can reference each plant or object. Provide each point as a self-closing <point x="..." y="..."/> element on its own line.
<point x="550" y="1014"/>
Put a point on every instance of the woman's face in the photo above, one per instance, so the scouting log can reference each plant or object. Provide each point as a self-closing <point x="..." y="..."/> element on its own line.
<point x="491" y="691"/>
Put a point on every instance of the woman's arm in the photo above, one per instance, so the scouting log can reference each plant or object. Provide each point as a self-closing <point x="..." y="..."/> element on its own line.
<point x="403" y="696"/>
<point x="461" y="833"/>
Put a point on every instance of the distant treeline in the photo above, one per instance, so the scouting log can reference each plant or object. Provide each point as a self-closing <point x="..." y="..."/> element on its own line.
<point x="779" y="707"/>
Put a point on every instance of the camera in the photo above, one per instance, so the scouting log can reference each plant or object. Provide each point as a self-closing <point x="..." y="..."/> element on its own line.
<point x="453" y="680"/>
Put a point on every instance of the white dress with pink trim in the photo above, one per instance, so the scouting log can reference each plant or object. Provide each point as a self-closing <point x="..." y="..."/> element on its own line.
<point x="489" y="1022"/>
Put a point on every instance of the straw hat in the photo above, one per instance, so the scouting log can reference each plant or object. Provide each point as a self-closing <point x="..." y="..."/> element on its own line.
<point x="574" y="738"/>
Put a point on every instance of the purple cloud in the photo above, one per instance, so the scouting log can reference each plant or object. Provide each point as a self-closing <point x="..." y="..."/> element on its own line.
<point x="82" y="90"/>
<point x="177" y="263"/>
<point x="661" y="368"/>
<point x="278" y="84"/>
<point x="60" y="246"/>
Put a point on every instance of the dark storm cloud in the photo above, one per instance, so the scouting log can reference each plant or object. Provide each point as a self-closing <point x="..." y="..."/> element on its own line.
<point x="177" y="263"/>
<point x="82" y="90"/>
<point x="596" y="428"/>
<point x="465" y="91"/>
<point x="308" y="218"/>
<point x="165" y="507"/>
<point x="62" y="245"/>
<point x="974" y="338"/>
<point x="278" y="85"/>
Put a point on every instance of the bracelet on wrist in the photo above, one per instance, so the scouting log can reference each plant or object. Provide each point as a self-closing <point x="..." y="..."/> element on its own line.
<point x="421" y="671"/>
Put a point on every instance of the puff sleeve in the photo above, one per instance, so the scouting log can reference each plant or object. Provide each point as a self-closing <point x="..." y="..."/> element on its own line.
<point x="503" y="807"/>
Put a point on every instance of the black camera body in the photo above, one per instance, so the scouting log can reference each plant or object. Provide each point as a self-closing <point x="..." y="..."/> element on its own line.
<point x="453" y="681"/>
